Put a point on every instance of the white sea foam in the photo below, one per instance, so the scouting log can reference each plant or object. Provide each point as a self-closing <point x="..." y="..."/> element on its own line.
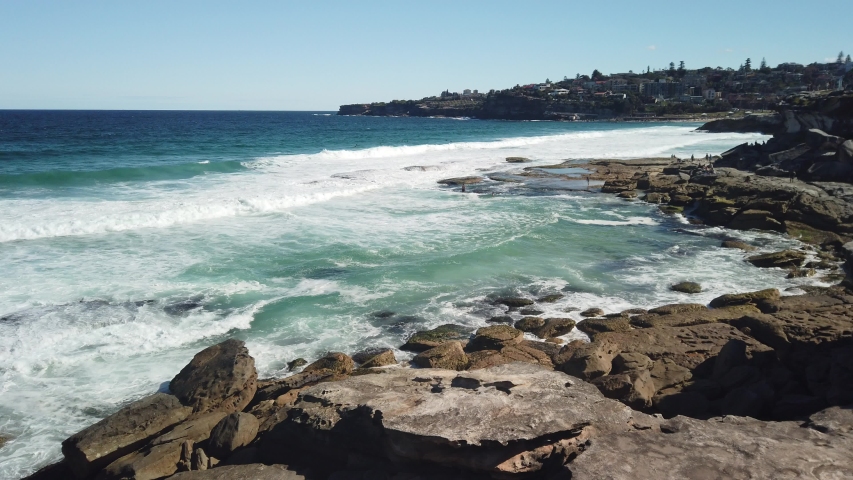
<point x="627" y="221"/>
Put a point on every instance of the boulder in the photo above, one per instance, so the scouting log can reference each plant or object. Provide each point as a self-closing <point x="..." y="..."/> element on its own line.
<point x="696" y="317"/>
<point x="686" y="287"/>
<point x="495" y="337"/>
<point x="517" y="159"/>
<point x="628" y="361"/>
<point x="123" y="432"/>
<point x="461" y="181"/>
<point x="383" y="359"/>
<point x="424" y="340"/>
<point x="554" y="327"/>
<point x="592" y="312"/>
<point x="335" y="362"/>
<point x="656" y="198"/>
<point x="366" y="354"/>
<point x="448" y="356"/>
<point x="845" y="152"/>
<point x="254" y="471"/>
<point x="232" y="432"/>
<point x="833" y="420"/>
<point x="528" y="324"/>
<point x="733" y="354"/>
<point x="732" y="299"/>
<point x="550" y="298"/>
<point x="530" y="311"/>
<point x="728" y="447"/>
<point x="666" y="373"/>
<point x="819" y="140"/>
<point x="512" y="419"/>
<point x="586" y="360"/>
<point x="514" y="302"/>
<point x="500" y="319"/>
<point x="783" y="259"/>
<point x="273" y="388"/>
<point x="220" y="378"/>
<point x="633" y="388"/>
<point x="294" y="364"/>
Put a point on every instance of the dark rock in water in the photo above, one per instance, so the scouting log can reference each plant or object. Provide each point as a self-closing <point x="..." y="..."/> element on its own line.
<point x="745" y="298"/>
<point x="592" y="312"/>
<point x="449" y="356"/>
<point x="232" y="432"/>
<point x="335" y="362"/>
<point x="528" y="324"/>
<point x="182" y="307"/>
<point x="756" y="219"/>
<point x="427" y="339"/>
<point x="514" y="302"/>
<point x="500" y="319"/>
<point x="550" y="298"/>
<point x="96" y="446"/>
<point x="783" y="259"/>
<point x="801" y="273"/>
<point x="530" y="311"/>
<point x="495" y="338"/>
<point x="220" y="378"/>
<point x="517" y="159"/>
<point x="422" y="168"/>
<point x="461" y="181"/>
<point x="738" y="244"/>
<point x="255" y="471"/>
<point x="383" y="314"/>
<point x="686" y="287"/>
<point x="294" y="364"/>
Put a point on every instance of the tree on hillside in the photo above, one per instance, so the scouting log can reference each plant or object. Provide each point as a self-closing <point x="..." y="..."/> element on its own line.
<point x="671" y="71"/>
<point x="848" y="59"/>
<point x="596" y="75"/>
<point x="681" y="70"/>
<point x="747" y="67"/>
<point x="840" y="57"/>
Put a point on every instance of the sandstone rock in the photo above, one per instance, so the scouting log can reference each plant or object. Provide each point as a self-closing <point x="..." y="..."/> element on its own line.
<point x="685" y="346"/>
<point x="448" y="356"/>
<point x="294" y="364"/>
<point x="586" y="360"/>
<point x="696" y="317"/>
<point x="627" y="361"/>
<point x="425" y="340"/>
<point x="128" y="429"/>
<point x="626" y="194"/>
<point x="335" y="362"/>
<point x="733" y="354"/>
<point x="783" y="259"/>
<point x="530" y="312"/>
<point x="673" y="403"/>
<point x="495" y="337"/>
<point x="194" y="430"/>
<point x="554" y="327"/>
<point x="656" y="198"/>
<point x="517" y="159"/>
<point x="485" y="359"/>
<point x="678" y="308"/>
<point x="147" y="464"/>
<point x="232" y="432"/>
<point x="366" y="354"/>
<point x="592" y="312"/>
<point x="242" y="472"/>
<point x="383" y="359"/>
<point x="787" y="329"/>
<point x="686" y="287"/>
<point x="738" y="244"/>
<point x="666" y="373"/>
<point x="833" y="420"/>
<point x="528" y="324"/>
<point x="731" y="299"/>
<point x="728" y="447"/>
<point x="272" y="389"/>
<point x="200" y="461"/>
<point x="633" y="388"/>
<point x="512" y="419"/>
<point x="594" y="326"/>
<point x="747" y="401"/>
<point x="500" y="319"/>
<point x="220" y="378"/>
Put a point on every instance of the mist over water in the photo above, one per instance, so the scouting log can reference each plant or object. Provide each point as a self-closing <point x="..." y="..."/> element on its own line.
<point x="132" y="240"/>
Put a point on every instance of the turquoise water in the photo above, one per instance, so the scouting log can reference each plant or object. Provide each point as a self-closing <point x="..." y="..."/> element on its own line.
<point x="131" y="240"/>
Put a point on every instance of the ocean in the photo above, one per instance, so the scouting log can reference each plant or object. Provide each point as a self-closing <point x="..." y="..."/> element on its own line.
<point x="129" y="241"/>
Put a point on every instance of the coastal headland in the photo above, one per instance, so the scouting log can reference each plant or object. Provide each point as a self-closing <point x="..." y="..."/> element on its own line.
<point x="751" y="385"/>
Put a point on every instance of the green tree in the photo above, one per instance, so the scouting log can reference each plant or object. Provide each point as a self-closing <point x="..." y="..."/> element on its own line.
<point x="848" y="59"/>
<point x="748" y="65"/>
<point x="671" y="69"/>
<point x="596" y="75"/>
<point x="840" y="57"/>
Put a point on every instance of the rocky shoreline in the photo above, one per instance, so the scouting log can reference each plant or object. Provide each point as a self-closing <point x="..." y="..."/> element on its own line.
<point x="752" y="385"/>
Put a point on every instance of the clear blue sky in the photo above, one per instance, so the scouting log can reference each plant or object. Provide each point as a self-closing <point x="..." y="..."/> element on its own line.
<point x="301" y="55"/>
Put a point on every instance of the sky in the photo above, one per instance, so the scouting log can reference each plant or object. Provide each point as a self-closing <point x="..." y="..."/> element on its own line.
<point x="317" y="55"/>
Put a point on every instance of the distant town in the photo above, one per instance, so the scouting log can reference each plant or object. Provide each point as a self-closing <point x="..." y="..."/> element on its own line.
<point x="675" y="91"/>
